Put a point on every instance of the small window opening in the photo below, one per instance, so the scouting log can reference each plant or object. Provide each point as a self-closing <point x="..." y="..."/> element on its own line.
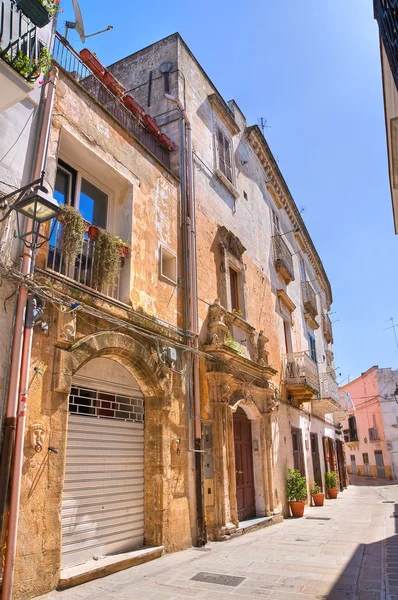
<point x="245" y="195"/>
<point x="233" y="281"/>
<point x="168" y="266"/>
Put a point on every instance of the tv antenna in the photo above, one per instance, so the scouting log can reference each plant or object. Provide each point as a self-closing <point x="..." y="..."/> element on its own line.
<point x="264" y="124"/>
<point x="78" y="24"/>
<point x="393" y="326"/>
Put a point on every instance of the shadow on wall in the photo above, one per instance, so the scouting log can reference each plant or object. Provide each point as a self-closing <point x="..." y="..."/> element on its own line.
<point x="363" y="576"/>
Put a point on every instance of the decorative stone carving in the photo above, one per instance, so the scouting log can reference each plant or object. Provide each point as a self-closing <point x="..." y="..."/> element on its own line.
<point x="231" y="243"/>
<point x="167" y="385"/>
<point x="217" y="328"/>
<point x="254" y="347"/>
<point x="66" y="327"/>
<point x="37" y="433"/>
<point x="262" y="357"/>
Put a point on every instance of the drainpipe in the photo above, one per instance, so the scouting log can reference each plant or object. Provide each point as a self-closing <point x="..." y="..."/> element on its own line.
<point x="193" y="324"/>
<point x="20" y="366"/>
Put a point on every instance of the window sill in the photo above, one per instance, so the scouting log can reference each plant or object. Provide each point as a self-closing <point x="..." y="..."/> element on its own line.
<point x="225" y="181"/>
<point x="167" y="280"/>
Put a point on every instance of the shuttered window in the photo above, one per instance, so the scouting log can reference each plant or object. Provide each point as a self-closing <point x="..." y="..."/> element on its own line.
<point x="224" y="154"/>
<point x="298" y="454"/>
<point x="352" y="424"/>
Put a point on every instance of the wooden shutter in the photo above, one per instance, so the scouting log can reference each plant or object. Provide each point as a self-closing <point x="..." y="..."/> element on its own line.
<point x="227" y="156"/>
<point x="298" y="454"/>
<point x="221" y="151"/>
<point x="326" y="452"/>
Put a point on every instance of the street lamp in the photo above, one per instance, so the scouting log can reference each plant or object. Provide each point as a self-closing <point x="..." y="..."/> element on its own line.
<point x="36" y="204"/>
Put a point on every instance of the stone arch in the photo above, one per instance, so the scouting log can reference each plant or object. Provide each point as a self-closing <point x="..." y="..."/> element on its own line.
<point x="247" y="404"/>
<point x="123" y="349"/>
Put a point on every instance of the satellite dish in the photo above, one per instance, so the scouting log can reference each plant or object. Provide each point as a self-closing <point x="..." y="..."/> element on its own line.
<point x="78" y="24"/>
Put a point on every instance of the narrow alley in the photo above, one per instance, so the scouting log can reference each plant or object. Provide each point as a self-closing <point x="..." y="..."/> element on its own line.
<point x="344" y="551"/>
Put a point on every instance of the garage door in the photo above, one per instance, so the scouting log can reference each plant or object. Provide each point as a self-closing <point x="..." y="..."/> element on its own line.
<point x="103" y="497"/>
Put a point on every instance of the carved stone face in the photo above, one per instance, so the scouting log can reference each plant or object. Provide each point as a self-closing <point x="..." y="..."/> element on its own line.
<point x="37" y="433"/>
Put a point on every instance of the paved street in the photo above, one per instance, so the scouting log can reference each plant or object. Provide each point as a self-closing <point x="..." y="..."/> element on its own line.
<point x="344" y="551"/>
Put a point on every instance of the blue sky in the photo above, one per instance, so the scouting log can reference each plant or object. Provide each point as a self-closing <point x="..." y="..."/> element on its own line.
<point x="312" y="69"/>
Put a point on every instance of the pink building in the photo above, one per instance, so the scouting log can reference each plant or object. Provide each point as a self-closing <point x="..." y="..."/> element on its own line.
<point x="367" y="450"/>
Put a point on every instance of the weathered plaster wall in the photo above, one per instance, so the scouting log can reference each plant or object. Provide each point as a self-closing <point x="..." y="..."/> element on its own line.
<point x="387" y="380"/>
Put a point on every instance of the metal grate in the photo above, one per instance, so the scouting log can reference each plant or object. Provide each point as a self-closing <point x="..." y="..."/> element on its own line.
<point x="86" y="401"/>
<point x="318" y="518"/>
<point x="388" y="502"/>
<point x="230" y="580"/>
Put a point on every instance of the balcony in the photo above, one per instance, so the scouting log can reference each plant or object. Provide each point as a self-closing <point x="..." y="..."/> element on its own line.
<point x="70" y="62"/>
<point x="310" y="306"/>
<point x="327" y="329"/>
<point x="19" y="54"/>
<point x="330" y="399"/>
<point x="301" y="376"/>
<point x="385" y="13"/>
<point x="283" y="259"/>
<point x="84" y="270"/>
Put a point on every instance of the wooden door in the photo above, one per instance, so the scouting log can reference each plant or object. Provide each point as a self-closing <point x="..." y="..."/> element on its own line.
<point x="298" y="454"/>
<point x="353" y="464"/>
<point x="380" y="464"/>
<point x="366" y="464"/>
<point x="316" y="462"/>
<point x="341" y="465"/>
<point x="244" y="466"/>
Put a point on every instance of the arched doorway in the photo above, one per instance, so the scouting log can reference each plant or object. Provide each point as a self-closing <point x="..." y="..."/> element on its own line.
<point x="245" y="492"/>
<point x="103" y="495"/>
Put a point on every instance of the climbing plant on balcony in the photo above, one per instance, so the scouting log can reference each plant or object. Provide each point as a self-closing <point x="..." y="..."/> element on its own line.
<point x="72" y="230"/>
<point x="107" y="259"/>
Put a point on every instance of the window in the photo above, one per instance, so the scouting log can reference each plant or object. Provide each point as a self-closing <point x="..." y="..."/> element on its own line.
<point x="302" y="270"/>
<point x="168" y="266"/>
<point x="224" y="154"/>
<point x="352" y="429"/>
<point x="311" y="339"/>
<point x="245" y="195"/>
<point x="298" y="454"/>
<point x="373" y="434"/>
<point x="275" y="224"/>
<point x="234" y="288"/>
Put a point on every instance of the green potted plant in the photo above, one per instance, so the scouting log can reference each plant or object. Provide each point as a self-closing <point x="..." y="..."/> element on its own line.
<point x="318" y="497"/>
<point x="72" y="230"/>
<point x="331" y="484"/>
<point x="107" y="260"/>
<point x="296" y="492"/>
<point x="39" y="12"/>
<point x="29" y="69"/>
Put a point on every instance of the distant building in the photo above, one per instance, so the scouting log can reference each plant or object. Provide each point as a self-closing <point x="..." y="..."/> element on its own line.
<point x="371" y="432"/>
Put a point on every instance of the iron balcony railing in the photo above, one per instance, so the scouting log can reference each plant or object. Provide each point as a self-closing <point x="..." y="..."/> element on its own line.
<point x="300" y="369"/>
<point x="327" y="329"/>
<point x="328" y="387"/>
<point x="386" y="15"/>
<point x="309" y="298"/>
<point x="19" y="45"/>
<point x="66" y="57"/>
<point x="82" y="270"/>
<point x="283" y="258"/>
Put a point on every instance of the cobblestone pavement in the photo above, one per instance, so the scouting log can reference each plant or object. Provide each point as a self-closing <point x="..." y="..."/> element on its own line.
<point x="344" y="551"/>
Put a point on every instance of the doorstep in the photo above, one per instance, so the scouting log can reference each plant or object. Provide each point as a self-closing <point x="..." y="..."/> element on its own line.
<point x="256" y="523"/>
<point x="94" y="569"/>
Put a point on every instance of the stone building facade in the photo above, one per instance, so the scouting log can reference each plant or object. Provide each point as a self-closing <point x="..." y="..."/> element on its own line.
<point x="269" y="398"/>
<point x="110" y="461"/>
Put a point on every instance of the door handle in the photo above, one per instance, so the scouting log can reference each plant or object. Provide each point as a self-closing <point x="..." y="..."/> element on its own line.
<point x="240" y="472"/>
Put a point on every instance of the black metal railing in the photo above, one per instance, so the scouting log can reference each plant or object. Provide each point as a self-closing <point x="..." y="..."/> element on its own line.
<point x="283" y="258"/>
<point x="327" y="329"/>
<point x="19" y="45"/>
<point x="309" y="298"/>
<point x="386" y="14"/>
<point x="66" y="57"/>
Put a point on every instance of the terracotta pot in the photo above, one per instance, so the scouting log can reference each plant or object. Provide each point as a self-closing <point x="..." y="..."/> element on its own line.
<point x="152" y="125"/>
<point x="297" y="509"/>
<point x="133" y="105"/>
<point x="332" y="493"/>
<point x="318" y="499"/>
<point x="113" y="84"/>
<point x="93" y="232"/>
<point x="166" y="142"/>
<point x="92" y="62"/>
<point x="125" y="251"/>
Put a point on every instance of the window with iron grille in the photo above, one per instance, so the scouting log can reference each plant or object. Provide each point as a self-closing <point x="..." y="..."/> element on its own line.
<point x="94" y="403"/>
<point x="373" y="434"/>
<point x="224" y="154"/>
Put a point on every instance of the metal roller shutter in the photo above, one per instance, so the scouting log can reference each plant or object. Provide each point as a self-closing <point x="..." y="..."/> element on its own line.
<point x="103" y="497"/>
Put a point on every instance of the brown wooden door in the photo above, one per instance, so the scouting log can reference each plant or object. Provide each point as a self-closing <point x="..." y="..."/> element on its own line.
<point x="298" y="454"/>
<point x="316" y="461"/>
<point x="244" y="466"/>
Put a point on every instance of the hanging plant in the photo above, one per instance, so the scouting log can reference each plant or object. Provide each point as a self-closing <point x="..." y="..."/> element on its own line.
<point x="71" y="233"/>
<point x="107" y="259"/>
<point x="29" y="69"/>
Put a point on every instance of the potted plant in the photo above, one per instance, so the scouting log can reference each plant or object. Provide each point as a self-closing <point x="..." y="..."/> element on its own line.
<point x="40" y="12"/>
<point x="296" y="492"/>
<point x="71" y="233"/>
<point x="151" y="125"/>
<point x="133" y="106"/>
<point x="113" y="84"/>
<point x="93" y="232"/>
<point x="107" y="260"/>
<point x="318" y="497"/>
<point x="166" y="142"/>
<point x="331" y="485"/>
<point x="29" y="69"/>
